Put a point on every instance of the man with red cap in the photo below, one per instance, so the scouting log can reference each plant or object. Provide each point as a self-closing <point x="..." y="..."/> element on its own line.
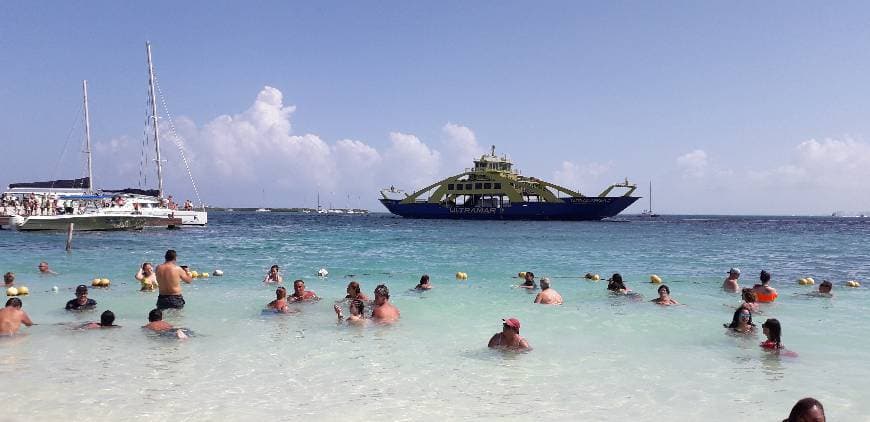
<point x="509" y="337"/>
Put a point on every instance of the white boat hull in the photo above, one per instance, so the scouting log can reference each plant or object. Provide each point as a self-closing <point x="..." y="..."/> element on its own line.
<point x="84" y="222"/>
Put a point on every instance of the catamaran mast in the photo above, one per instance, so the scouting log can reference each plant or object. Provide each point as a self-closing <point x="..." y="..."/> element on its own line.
<point x="650" y="197"/>
<point x="88" y="138"/>
<point x="153" y="99"/>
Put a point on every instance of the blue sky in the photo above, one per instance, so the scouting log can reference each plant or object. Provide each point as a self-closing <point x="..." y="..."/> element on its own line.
<point x="737" y="107"/>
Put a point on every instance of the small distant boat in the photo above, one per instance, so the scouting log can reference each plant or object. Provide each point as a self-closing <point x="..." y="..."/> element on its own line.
<point x="649" y="213"/>
<point x="263" y="210"/>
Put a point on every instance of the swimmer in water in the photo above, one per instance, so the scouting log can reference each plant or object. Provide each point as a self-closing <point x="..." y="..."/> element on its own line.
<point x="616" y="285"/>
<point x="384" y="311"/>
<point x="355" y="292"/>
<point x="146" y="276"/>
<point x="529" y="282"/>
<point x="807" y="410"/>
<point x="741" y="322"/>
<point x="8" y="279"/>
<point x="664" y="298"/>
<point x="107" y="320"/>
<point x="825" y="289"/>
<point x="509" y="338"/>
<point x="300" y="294"/>
<point x="424" y="283"/>
<point x="730" y="284"/>
<point x="357" y="313"/>
<point x="280" y="302"/>
<point x="548" y="295"/>
<point x="43" y="269"/>
<point x="11" y="317"/>
<point x="274" y="276"/>
<point x="81" y="302"/>
<point x="763" y="291"/>
<point x="749" y="300"/>
<point x="158" y="325"/>
<point x="773" y="331"/>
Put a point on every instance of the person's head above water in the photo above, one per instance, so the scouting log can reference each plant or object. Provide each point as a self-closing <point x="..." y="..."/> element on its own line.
<point x="773" y="330"/>
<point x="424" y="279"/>
<point x="14" y="302"/>
<point x="741" y="315"/>
<point x="530" y="277"/>
<point x="545" y="283"/>
<point x="107" y="318"/>
<point x="807" y="410"/>
<point x="147" y="267"/>
<point x="170" y="255"/>
<point x="749" y="296"/>
<point x="764" y="276"/>
<point x="280" y="293"/>
<point x="664" y="289"/>
<point x="298" y="287"/>
<point x="43" y="267"/>
<point x="81" y="291"/>
<point x="382" y="294"/>
<point x="826" y="287"/>
<point x="155" y="315"/>
<point x="615" y="282"/>
<point x="734" y="272"/>
<point x="9" y="278"/>
<point x="274" y="269"/>
<point x="510" y="325"/>
<point x="353" y="289"/>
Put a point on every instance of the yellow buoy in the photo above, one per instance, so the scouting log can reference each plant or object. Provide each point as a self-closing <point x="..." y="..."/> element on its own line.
<point x="596" y="277"/>
<point x="521" y="274"/>
<point x="12" y="291"/>
<point x="853" y="283"/>
<point x="655" y="279"/>
<point x="96" y="282"/>
<point x="23" y="290"/>
<point x="105" y="282"/>
<point x="810" y="281"/>
<point x="802" y="281"/>
<point x="459" y="276"/>
<point x="465" y="276"/>
<point x="194" y="274"/>
<point x="204" y="275"/>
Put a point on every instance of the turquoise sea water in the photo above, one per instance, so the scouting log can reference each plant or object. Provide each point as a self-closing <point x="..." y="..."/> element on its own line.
<point x="597" y="357"/>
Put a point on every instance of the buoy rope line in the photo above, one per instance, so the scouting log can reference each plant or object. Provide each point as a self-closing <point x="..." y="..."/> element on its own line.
<point x="177" y="139"/>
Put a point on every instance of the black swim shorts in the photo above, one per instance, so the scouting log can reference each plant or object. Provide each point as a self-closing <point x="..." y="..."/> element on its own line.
<point x="170" y="301"/>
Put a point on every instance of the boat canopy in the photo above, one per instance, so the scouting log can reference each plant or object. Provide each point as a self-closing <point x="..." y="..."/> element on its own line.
<point x="83" y="183"/>
<point x="134" y="191"/>
<point x="84" y="197"/>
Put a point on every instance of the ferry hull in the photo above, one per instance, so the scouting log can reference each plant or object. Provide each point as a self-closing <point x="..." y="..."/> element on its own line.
<point x="586" y="208"/>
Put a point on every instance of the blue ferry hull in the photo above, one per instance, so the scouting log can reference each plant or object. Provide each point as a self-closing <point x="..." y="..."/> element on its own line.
<point x="587" y="208"/>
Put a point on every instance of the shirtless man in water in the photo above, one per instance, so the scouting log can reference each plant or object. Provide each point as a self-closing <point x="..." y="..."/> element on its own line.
<point x="11" y="317"/>
<point x="384" y="310"/>
<point x="300" y="294"/>
<point x="509" y="337"/>
<point x="548" y="296"/>
<point x="169" y="278"/>
<point x="280" y="302"/>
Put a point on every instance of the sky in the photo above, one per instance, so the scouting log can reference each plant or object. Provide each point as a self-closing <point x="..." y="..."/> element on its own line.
<point x="725" y="107"/>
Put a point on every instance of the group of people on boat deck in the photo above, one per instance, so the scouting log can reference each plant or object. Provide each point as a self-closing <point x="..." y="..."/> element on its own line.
<point x="32" y="204"/>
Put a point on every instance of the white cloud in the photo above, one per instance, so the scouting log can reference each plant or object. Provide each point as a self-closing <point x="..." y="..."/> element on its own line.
<point x="575" y="176"/>
<point x="693" y="164"/>
<point x="460" y="145"/>
<point x="410" y="160"/>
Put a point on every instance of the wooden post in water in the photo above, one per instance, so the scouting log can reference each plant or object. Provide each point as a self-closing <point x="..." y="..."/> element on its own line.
<point x="69" y="233"/>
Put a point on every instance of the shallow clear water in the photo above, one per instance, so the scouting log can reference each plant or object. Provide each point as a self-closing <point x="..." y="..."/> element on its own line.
<point x="595" y="358"/>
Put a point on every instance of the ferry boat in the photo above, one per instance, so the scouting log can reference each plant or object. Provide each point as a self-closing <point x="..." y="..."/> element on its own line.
<point x="494" y="190"/>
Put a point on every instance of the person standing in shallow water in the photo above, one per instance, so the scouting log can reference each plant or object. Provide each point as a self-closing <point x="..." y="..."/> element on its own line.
<point x="509" y="338"/>
<point x="763" y="291"/>
<point x="384" y="311"/>
<point x="11" y="317"/>
<point x="169" y="278"/>
<point x="730" y="284"/>
<point x="548" y="295"/>
<point x="529" y="282"/>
